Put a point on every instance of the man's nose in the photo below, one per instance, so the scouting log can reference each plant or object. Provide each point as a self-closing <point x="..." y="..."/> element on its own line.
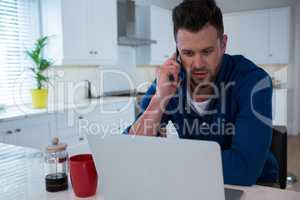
<point x="198" y="61"/>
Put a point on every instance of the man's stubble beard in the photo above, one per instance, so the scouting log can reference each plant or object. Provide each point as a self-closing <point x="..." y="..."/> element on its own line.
<point x="194" y="83"/>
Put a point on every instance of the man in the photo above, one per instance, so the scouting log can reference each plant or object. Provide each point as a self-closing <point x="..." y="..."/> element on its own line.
<point x="209" y="95"/>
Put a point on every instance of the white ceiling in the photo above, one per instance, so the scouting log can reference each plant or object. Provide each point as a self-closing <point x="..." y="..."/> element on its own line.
<point x="230" y="5"/>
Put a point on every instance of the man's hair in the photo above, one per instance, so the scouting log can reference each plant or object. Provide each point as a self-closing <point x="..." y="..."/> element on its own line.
<point x="193" y="15"/>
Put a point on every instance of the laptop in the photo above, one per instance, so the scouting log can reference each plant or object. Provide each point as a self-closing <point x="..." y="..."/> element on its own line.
<point x="148" y="168"/>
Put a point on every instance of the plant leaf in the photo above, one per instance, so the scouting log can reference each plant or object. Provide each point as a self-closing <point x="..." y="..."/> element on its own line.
<point x="44" y="64"/>
<point x="34" y="56"/>
<point x="41" y="77"/>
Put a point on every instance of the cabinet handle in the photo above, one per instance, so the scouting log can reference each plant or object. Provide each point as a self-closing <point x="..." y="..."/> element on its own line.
<point x="270" y="55"/>
<point x="17" y="130"/>
<point x="9" y="132"/>
<point x="91" y="52"/>
<point x="81" y="139"/>
<point x="96" y="52"/>
<point x="80" y="117"/>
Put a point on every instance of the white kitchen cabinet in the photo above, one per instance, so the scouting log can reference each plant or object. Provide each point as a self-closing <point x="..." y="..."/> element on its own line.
<point x="246" y="32"/>
<point x="111" y="117"/>
<point x="32" y="132"/>
<point x="161" y="30"/>
<point x="126" y="117"/>
<point x="83" y="32"/>
<point x="279" y="107"/>
<point x="70" y="126"/>
<point x="67" y="127"/>
<point x="279" y="35"/>
<point x="261" y="35"/>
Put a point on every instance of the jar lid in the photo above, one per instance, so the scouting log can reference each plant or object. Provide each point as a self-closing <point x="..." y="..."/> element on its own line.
<point x="56" y="146"/>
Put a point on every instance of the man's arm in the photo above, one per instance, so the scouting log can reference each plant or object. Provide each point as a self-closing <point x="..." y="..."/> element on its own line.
<point x="243" y="163"/>
<point x="149" y="121"/>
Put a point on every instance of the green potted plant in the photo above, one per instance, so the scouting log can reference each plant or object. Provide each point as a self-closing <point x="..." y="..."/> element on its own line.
<point x="40" y="93"/>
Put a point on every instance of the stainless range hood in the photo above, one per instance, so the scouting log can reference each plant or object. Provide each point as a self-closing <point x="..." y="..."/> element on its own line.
<point x="127" y="34"/>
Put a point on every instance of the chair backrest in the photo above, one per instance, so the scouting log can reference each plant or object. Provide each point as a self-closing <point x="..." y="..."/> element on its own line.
<point x="279" y="149"/>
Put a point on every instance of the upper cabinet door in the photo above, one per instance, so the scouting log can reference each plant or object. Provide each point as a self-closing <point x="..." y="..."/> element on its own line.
<point x="162" y="32"/>
<point x="248" y="34"/>
<point x="75" y="30"/>
<point x="157" y="28"/>
<point x="102" y="37"/>
<point x="262" y="36"/>
<point x="279" y="35"/>
<point x="84" y="31"/>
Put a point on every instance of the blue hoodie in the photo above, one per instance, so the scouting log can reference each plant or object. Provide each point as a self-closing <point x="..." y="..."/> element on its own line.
<point x="240" y="120"/>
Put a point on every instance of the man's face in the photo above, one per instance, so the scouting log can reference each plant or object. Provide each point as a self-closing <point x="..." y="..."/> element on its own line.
<point x="201" y="53"/>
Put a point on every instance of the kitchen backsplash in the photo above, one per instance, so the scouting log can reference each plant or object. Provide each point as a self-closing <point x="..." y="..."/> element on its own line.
<point x="68" y="84"/>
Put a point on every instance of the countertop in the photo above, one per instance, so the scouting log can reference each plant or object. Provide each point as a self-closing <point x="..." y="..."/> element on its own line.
<point x="22" y="178"/>
<point x="23" y="111"/>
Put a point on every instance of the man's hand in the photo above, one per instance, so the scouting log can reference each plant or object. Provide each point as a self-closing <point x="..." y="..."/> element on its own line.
<point x="149" y="122"/>
<point x="165" y="88"/>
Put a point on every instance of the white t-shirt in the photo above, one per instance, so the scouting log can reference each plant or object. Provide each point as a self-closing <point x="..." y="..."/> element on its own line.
<point x="198" y="107"/>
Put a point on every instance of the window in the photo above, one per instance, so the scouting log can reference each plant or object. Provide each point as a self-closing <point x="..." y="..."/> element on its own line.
<point x="19" y="28"/>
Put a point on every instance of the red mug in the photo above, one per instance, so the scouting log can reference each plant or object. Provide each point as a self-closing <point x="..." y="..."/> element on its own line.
<point x="83" y="174"/>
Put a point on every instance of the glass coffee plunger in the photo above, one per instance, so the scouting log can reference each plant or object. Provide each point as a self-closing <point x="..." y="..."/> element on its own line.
<point x="56" y="160"/>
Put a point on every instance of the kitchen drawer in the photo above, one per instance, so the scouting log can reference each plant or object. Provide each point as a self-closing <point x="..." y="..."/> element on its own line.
<point x="103" y="126"/>
<point x="34" y="131"/>
<point x="108" y="122"/>
<point x="68" y="119"/>
<point x="70" y="136"/>
<point x="67" y="125"/>
<point x="27" y="122"/>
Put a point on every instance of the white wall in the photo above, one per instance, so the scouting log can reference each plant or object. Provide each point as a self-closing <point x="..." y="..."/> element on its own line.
<point x="242" y="5"/>
<point x="294" y="74"/>
<point x="127" y="75"/>
<point x="228" y="6"/>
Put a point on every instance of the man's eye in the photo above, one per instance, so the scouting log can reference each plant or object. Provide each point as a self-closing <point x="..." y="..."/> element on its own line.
<point x="188" y="53"/>
<point x="207" y="52"/>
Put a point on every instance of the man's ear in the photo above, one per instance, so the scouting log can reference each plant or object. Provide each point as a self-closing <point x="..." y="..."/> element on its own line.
<point x="224" y="42"/>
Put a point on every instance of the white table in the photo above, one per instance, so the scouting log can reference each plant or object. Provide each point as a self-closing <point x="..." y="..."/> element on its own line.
<point x="22" y="178"/>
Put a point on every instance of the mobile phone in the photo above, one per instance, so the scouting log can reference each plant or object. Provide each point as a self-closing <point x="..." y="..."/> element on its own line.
<point x="171" y="77"/>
